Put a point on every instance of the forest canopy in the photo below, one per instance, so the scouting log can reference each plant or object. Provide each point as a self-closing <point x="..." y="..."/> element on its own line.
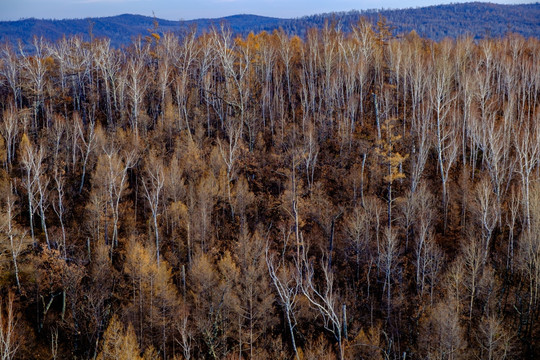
<point x="345" y="195"/>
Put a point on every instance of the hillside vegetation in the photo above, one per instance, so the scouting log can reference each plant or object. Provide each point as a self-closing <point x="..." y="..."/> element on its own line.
<point x="342" y="196"/>
<point x="434" y="22"/>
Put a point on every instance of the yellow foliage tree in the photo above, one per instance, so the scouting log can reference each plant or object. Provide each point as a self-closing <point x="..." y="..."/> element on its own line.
<point x="392" y="159"/>
<point x="155" y="299"/>
<point x="119" y="343"/>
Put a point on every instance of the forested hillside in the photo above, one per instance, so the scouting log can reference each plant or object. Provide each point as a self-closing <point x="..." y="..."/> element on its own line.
<point x="477" y="19"/>
<point x="434" y="22"/>
<point x="343" y="196"/>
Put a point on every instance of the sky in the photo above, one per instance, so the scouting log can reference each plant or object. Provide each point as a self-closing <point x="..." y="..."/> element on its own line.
<point x="193" y="9"/>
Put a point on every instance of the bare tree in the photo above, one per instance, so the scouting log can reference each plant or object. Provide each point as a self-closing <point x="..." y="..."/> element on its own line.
<point x="136" y="86"/>
<point x="8" y="329"/>
<point x="494" y="340"/>
<point x="443" y="337"/>
<point x="110" y="184"/>
<point x="529" y="257"/>
<point x="36" y="182"/>
<point x="486" y="208"/>
<point x="514" y="207"/>
<point x="16" y="235"/>
<point x="348" y="99"/>
<point x="429" y="264"/>
<point x="153" y="182"/>
<point x="108" y="63"/>
<point x="429" y="256"/>
<point x="186" y="334"/>
<point x="417" y="78"/>
<point x="497" y="148"/>
<point x="419" y="153"/>
<point x="86" y="145"/>
<point x="323" y="298"/>
<point x="268" y="54"/>
<point x="9" y="128"/>
<point x="286" y="51"/>
<point x="310" y="60"/>
<point x="184" y="59"/>
<point x="11" y="71"/>
<point x="527" y="150"/>
<point x="447" y="150"/>
<point x="441" y="100"/>
<point x="59" y="203"/>
<point x="473" y="266"/>
<point x="364" y="36"/>
<point x="235" y="67"/>
<point x="310" y="154"/>
<point x="165" y="48"/>
<point x="388" y="262"/>
<point x="42" y="182"/>
<point x="292" y="200"/>
<point x="358" y="227"/>
<point x="35" y="70"/>
<point x="285" y="282"/>
<point x="230" y="151"/>
<point x="408" y="209"/>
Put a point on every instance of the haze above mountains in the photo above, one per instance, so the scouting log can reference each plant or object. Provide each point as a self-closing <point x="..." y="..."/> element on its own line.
<point x="434" y="22"/>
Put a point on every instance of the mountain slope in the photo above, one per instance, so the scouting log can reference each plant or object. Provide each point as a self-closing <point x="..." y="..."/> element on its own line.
<point x="435" y="22"/>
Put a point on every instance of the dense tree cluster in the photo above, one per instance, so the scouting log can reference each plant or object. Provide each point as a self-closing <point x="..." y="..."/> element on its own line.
<point x="344" y="196"/>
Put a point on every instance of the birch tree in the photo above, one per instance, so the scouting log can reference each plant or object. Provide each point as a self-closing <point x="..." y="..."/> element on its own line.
<point x="9" y="339"/>
<point x="324" y="299"/>
<point x="9" y="129"/>
<point x="441" y="98"/>
<point x="284" y="279"/>
<point x="153" y="181"/>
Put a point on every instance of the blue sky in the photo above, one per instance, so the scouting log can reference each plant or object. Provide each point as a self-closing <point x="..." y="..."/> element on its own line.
<point x="191" y="9"/>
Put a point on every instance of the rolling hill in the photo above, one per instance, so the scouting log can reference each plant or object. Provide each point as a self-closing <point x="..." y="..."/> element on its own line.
<point x="435" y="22"/>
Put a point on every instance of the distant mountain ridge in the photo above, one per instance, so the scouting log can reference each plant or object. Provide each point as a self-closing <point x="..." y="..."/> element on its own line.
<point x="435" y="22"/>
